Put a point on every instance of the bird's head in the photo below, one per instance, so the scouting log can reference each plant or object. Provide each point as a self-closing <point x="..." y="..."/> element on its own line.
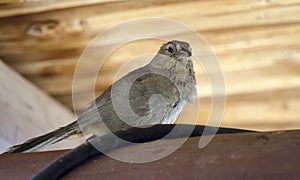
<point x="176" y="50"/>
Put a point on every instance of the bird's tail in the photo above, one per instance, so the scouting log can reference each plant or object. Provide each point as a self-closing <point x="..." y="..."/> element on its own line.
<point x="46" y="139"/>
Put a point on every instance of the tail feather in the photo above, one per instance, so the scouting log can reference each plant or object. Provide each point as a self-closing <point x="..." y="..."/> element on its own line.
<point x="46" y="139"/>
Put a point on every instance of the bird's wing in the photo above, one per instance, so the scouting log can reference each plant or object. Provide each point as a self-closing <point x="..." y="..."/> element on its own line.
<point x="139" y="98"/>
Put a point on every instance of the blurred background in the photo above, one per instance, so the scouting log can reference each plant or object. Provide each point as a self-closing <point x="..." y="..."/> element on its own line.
<point x="256" y="42"/>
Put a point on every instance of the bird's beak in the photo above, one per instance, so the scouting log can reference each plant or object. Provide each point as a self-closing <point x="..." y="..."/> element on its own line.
<point x="185" y="54"/>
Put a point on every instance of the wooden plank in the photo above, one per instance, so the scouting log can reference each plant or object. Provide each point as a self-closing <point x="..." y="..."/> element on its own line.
<point x="5" y="2"/>
<point x="23" y="105"/>
<point x="262" y="111"/>
<point x="274" y="155"/>
<point x="37" y="6"/>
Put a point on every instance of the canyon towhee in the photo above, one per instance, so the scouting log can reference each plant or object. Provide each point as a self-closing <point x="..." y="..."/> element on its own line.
<point x="153" y="94"/>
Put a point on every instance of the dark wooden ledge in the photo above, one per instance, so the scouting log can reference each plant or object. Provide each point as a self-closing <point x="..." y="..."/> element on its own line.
<point x="273" y="155"/>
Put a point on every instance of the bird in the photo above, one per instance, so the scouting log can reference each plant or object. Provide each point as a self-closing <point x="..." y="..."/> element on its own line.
<point x="153" y="94"/>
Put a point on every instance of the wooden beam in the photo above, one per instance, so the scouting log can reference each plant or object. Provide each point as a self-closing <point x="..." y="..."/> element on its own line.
<point x="25" y="110"/>
<point x="23" y="7"/>
<point x="5" y="2"/>
<point x="273" y="155"/>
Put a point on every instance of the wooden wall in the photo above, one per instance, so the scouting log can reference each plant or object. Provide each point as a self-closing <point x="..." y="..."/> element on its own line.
<point x="257" y="43"/>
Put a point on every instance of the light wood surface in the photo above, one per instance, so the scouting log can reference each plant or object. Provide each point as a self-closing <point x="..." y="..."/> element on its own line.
<point x="25" y="110"/>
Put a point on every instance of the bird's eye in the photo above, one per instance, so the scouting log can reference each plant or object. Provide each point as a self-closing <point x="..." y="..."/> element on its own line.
<point x="170" y="50"/>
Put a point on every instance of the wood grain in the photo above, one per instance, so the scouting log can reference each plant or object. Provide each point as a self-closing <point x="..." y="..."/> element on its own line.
<point x="256" y="42"/>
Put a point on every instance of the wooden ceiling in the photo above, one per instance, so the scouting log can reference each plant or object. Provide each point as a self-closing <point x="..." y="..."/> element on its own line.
<point x="257" y="43"/>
